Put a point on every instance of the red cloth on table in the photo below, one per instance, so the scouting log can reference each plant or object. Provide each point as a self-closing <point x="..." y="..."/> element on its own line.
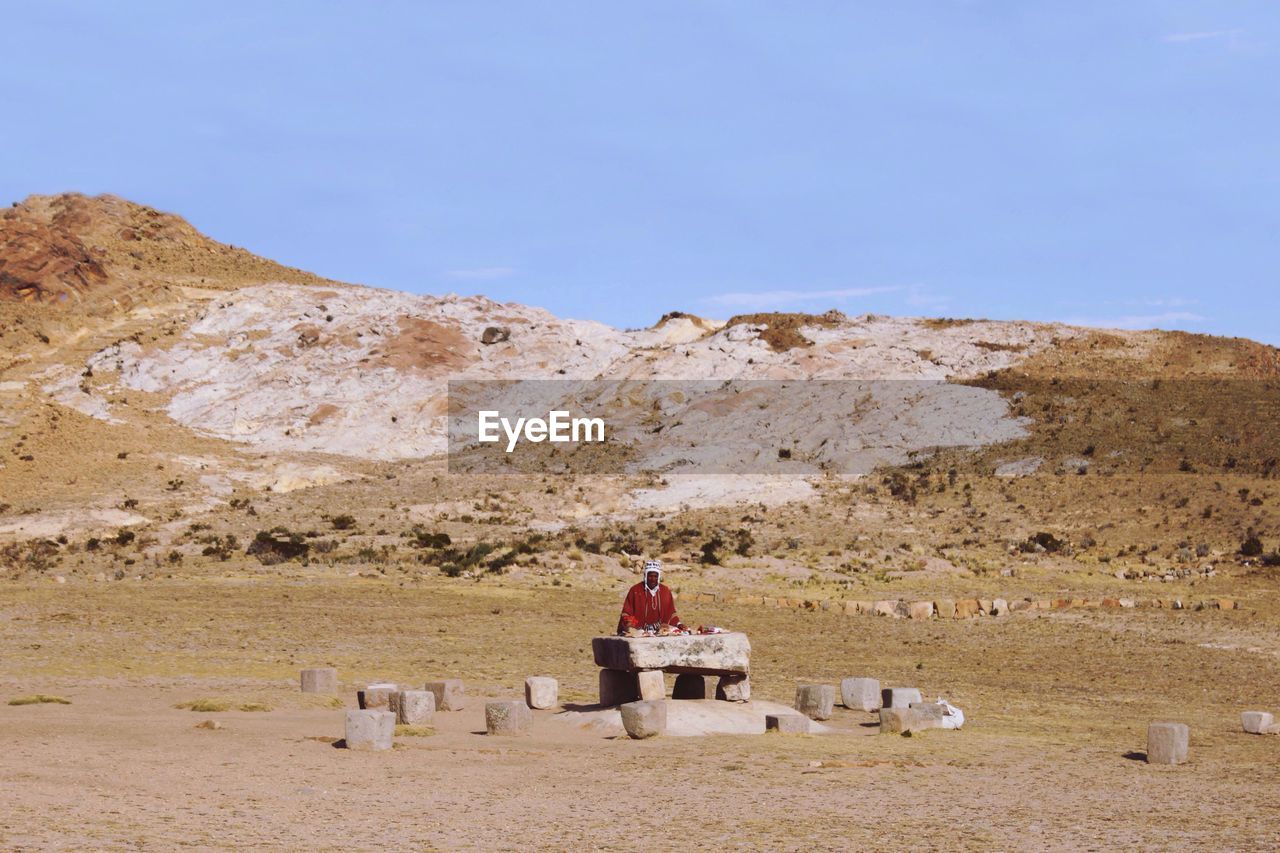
<point x="641" y="608"/>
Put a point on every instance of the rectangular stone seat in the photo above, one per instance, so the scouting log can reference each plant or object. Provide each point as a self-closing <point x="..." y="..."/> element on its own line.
<point x="700" y="654"/>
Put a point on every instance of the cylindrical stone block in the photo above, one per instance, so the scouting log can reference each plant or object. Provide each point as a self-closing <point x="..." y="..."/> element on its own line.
<point x="644" y="719"/>
<point x="376" y="697"/>
<point x="618" y="687"/>
<point x="860" y="694"/>
<point x="1256" y="722"/>
<point x="370" y="730"/>
<point x="541" y="692"/>
<point x="320" y="680"/>
<point x="733" y="687"/>
<point x="414" y="707"/>
<point x="511" y="717"/>
<point x="815" y="701"/>
<point x="1167" y="743"/>
<point x="689" y="686"/>
<point x="899" y="697"/>
<point x="652" y="684"/>
<point x="787" y="724"/>
<point x="450" y="694"/>
<point x="945" y="608"/>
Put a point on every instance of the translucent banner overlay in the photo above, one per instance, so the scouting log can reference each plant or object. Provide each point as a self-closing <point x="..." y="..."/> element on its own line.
<point x="849" y="427"/>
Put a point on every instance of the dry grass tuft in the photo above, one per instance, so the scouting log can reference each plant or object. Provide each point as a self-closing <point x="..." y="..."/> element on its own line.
<point x="39" y="699"/>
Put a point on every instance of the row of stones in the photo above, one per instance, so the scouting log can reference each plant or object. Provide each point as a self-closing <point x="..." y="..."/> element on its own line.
<point x="967" y="608"/>
<point x="385" y="705"/>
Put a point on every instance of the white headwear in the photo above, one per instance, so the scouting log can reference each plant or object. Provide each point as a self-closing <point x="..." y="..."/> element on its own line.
<point x="651" y="566"/>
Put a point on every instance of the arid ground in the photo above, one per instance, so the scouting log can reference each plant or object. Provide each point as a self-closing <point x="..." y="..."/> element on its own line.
<point x="1051" y="756"/>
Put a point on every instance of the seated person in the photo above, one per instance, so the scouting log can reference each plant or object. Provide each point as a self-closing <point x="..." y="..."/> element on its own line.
<point x="649" y="604"/>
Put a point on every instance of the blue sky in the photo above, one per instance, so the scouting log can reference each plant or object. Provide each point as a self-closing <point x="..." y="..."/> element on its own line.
<point x="1098" y="162"/>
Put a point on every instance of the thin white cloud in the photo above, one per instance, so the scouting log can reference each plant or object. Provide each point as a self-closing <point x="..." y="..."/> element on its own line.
<point x="481" y="273"/>
<point x="921" y="297"/>
<point x="1184" y="38"/>
<point x="779" y="298"/>
<point x="1168" y="319"/>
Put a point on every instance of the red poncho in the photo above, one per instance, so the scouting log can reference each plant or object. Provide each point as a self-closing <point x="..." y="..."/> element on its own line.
<point x="641" y="608"/>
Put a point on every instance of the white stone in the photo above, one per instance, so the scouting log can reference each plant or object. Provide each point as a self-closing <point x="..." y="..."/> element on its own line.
<point x="414" y="707"/>
<point x="815" y="701"/>
<point x="899" y="697"/>
<point x="787" y="724"/>
<point x="450" y="694"/>
<point x="644" y="719"/>
<point x="860" y="694"/>
<point x="1255" y="722"/>
<point x="541" y="692"/>
<point x="370" y="730"/>
<point x="652" y="684"/>
<point x="377" y="697"/>
<point x="319" y="680"/>
<point x="733" y="688"/>
<point x="1167" y="743"/>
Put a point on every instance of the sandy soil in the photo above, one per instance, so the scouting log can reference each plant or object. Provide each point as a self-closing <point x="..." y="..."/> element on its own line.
<point x="1050" y="758"/>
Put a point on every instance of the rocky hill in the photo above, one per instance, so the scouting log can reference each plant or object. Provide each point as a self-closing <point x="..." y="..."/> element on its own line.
<point x="152" y="375"/>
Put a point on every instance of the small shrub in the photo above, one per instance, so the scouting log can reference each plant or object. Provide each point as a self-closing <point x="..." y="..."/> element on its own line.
<point x="343" y="522"/>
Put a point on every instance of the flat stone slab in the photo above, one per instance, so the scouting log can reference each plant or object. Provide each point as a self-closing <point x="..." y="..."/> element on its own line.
<point x="702" y="654"/>
<point x="694" y="718"/>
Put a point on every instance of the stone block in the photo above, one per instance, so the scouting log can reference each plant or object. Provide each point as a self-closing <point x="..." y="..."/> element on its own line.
<point x="618" y="687"/>
<point x="815" y="701"/>
<point x="787" y="724"/>
<point x="945" y="608"/>
<point x="967" y="608"/>
<point x="652" y="683"/>
<point x="644" y="719"/>
<point x="709" y="654"/>
<point x="894" y="721"/>
<point x="1167" y="743"/>
<point x="999" y="607"/>
<point x="920" y="610"/>
<point x="860" y="694"/>
<point x="899" y="697"/>
<point x="450" y="694"/>
<point x="928" y="714"/>
<point x="733" y="688"/>
<point x="376" y="697"/>
<point x="370" y="730"/>
<point x="1021" y="604"/>
<point x="1255" y="721"/>
<point x="689" y="686"/>
<point x="507" y="717"/>
<point x="414" y="707"/>
<point x="886" y="608"/>
<point x="541" y="692"/>
<point x="320" y="680"/>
